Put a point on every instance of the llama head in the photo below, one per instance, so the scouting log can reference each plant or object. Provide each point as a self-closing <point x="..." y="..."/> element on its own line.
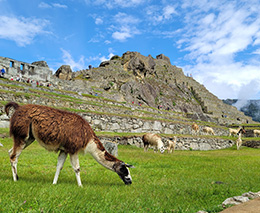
<point x="162" y="149"/>
<point x="123" y="172"/>
<point x="241" y="130"/>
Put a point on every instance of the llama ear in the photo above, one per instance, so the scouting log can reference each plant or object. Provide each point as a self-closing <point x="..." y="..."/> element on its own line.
<point x="127" y="165"/>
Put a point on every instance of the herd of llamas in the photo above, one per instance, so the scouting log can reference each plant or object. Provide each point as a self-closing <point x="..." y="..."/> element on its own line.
<point x="70" y="134"/>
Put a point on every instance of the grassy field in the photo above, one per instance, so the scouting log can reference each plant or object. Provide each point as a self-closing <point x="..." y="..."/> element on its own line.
<point x="179" y="182"/>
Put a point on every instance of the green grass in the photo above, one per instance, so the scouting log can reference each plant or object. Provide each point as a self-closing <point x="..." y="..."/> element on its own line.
<point x="179" y="182"/>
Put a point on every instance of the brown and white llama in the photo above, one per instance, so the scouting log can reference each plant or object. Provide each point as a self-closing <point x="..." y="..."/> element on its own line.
<point x="171" y="145"/>
<point x="195" y="128"/>
<point x="59" y="131"/>
<point x="153" y="140"/>
<point x="239" y="140"/>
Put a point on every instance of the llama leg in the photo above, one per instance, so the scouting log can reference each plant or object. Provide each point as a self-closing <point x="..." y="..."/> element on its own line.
<point x="61" y="159"/>
<point x="74" y="160"/>
<point x="14" y="154"/>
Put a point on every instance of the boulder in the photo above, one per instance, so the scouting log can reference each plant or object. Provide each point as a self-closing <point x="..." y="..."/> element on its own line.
<point x="64" y="72"/>
<point x="104" y="63"/>
<point x="163" y="57"/>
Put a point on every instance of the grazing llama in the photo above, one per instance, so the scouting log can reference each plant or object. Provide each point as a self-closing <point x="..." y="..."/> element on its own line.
<point x="195" y="128"/>
<point x="171" y="145"/>
<point x="239" y="140"/>
<point x="150" y="139"/>
<point x="256" y="132"/>
<point x="59" y="131"/>
<point x="208" y="130"/>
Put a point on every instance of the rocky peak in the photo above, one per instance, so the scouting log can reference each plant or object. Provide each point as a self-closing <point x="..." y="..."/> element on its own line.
<point x="163" y="57"/>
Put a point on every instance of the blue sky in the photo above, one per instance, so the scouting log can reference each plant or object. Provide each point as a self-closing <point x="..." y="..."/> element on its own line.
<point x="216" y="41"/>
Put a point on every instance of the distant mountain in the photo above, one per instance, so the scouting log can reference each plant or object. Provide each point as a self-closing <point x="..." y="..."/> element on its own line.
<point x="248" y="107"/>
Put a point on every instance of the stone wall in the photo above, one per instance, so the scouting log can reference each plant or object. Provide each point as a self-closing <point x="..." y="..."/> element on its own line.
<point x="119" y="124"/>
<point x="134" y="125"/>
<point x="183" y="143"/>
<point x="24" y="70"/>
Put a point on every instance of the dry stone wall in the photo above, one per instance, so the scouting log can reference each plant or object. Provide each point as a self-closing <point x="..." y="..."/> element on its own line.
<point x="108" y="123"/>
<point x="183" y="143"/>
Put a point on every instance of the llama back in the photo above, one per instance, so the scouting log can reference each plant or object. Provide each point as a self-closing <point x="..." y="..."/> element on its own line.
<point x="152" y="139"/>
<point x="52" y="128"/>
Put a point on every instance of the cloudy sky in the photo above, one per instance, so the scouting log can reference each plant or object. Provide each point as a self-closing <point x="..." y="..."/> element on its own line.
<point x="216" y="41"/>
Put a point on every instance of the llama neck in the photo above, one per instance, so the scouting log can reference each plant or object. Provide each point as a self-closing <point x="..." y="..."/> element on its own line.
<point x="239" y="135"/>
<point x="101" y="155"/>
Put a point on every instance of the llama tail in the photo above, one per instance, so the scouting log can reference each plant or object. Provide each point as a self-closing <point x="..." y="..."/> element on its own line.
<point x="11" y="105"/>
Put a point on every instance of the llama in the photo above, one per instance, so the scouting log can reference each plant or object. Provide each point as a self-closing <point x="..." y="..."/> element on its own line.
<point x="208" y="130"/>
<point x="195" y="128"/>
<point x="59" y="131"/>
<point x="239" y="140"/>
<point x="256" y="132"/>
<point x="171" y="145"/>
<point x="233" y="131"/>
<point x="154" y="141"/>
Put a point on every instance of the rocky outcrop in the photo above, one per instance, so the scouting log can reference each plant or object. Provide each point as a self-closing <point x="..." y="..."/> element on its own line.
<point x="163" y="57"/>
<point x="140" y="65"/>
<point x="64" y="73"/>
<point x="41" y="64"/>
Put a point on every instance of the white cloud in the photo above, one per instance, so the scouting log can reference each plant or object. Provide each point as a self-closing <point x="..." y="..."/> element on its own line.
<point x="124" y="33"/>
<point x="125" y="27"/>
<point x="104" y="58"/>
<point x="125" y="19"/>
<point x="57" y="5"/>
<point x="168" y="11"/>
<point x="110" y="4"/>
<point x="160" y="14"/>
<point x="75" y="65"/>
<point x="21" y="30"/>
<point x="98" y="21"/>
<point x="82" y="62"/>
<point x="215" y="37"/>
<point x="44" y="5"/>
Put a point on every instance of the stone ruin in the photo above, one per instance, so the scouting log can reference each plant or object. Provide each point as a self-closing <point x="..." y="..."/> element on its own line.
<point x="37" y="70"/>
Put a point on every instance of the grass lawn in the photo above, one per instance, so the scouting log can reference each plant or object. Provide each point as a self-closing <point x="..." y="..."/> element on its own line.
<point x="179" y="182"/>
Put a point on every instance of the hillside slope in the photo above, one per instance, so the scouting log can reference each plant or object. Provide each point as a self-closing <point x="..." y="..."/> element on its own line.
<point x="135" y="80"/>
<point x="154" y="82"/>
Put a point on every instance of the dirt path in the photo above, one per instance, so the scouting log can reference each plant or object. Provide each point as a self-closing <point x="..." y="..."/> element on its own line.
<point x="252" y="206"/>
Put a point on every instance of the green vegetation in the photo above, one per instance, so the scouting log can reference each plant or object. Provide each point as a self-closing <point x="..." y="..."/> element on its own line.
<point x="179" y="182"/>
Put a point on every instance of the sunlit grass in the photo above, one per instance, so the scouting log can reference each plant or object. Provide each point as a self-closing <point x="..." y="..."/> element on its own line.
<point x="179" y="182"/>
